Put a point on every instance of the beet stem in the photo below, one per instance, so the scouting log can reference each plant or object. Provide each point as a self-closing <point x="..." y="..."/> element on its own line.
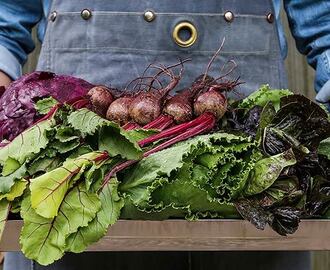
<point x="199" y="129"/>
<point x="160" y="122"/>
<point x="131" y="126"/>
<point x="51" y="112"/>
<point x="206" y="125"/>
<point x="175" y="130"/>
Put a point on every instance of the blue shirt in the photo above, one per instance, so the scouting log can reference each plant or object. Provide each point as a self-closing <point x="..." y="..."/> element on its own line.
<point x="309" y="21"/>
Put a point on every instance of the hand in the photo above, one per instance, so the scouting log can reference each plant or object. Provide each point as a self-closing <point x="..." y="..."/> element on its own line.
<point x="323" y="95"/>
<point x="4" y="79"/>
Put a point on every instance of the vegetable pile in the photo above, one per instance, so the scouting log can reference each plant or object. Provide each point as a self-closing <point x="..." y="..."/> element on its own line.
<point x="94" y="154"/>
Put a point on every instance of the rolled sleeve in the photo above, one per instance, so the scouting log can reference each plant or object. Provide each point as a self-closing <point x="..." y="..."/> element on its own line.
<point x="17" y="18"/>
<point x="9" y="64"/>
<point x="310" y="26"/>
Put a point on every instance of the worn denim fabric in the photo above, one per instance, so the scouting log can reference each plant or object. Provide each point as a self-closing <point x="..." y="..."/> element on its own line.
<point x="308" y="19"/>
<point x="117" y="39"/>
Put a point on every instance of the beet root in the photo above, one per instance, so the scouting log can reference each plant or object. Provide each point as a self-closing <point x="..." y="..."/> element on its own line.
<point x="211" y="101"/>
<point x="100" y="97"/>
<point x="180" y="108"/>
<point x="145" y="108"/>
<point x="118" y="110"/>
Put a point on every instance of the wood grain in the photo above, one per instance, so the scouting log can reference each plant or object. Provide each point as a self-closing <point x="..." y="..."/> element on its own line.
<point x="206" y="235"/>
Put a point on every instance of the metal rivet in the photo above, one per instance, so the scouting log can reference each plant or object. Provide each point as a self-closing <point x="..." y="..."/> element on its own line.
<point x="52" y="16"/>
<point x="149" y="15"/>
<point x="229" y="16"/>
<point x="270" y="17"/>
<point x="86" y="14"/>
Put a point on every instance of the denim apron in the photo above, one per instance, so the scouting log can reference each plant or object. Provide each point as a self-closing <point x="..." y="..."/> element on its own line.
<point x="112" y="41"/>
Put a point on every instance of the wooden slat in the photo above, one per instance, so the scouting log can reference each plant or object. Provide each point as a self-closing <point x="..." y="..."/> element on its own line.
<point x="203" y="235"/>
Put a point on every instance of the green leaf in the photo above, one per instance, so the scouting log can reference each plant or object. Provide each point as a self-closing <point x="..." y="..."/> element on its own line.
<point x="324" y="148"/>
<point x="266" y="118"/>
<point x="112" y="138"/>
<point x="140" y="134"/>
<point x="28" y="144"/>
<point x="16" y="191"/>
<point x="43" y="239"/>
<point x="200" y="160"/>
<point x="49" y="189"/>
<point x="44" y="164"/>
<point x="10" y="166"/>
<point x="111" y="205"/>
<point x="264" y="95"/>
<point x="6" y="182"/>
<point x="4" y="211"/>
<point x="44" y="105"/>
<point x="81" y="150"/>
<point x="66" y="134"/>
<point x="64" y="147"/>
<point x="267" y="170"/>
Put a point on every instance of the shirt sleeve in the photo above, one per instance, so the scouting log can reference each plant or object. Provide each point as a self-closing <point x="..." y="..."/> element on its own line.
<point x="17" y="18"/>
<point x="310" y="25"/>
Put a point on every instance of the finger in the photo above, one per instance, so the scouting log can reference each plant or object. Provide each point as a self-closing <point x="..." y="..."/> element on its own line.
<point x="323" y="95"/>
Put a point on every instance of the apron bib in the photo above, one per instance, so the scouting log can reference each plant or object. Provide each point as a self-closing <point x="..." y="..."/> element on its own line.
<point x="112" y="42"/>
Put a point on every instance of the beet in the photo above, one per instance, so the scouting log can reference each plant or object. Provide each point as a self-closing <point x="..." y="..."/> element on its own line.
<point x="147" y="105"/>
<point x="211" y="101"/>
<point x="180" y="107"/>
<point x="100" y="99"/>
<point x="118" y="110"/>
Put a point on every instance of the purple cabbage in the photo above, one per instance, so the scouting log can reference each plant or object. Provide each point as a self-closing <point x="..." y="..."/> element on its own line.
<point x="17" y="111"/>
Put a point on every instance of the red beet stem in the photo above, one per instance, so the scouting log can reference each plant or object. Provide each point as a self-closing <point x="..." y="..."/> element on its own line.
<point x="51" y="112"/>
<point x="200" y="127"/>
<point x="81" y="104"/>
<point x="176" y="130"/>
<point x="160" y="123"/>
<point x="131" y="126"/>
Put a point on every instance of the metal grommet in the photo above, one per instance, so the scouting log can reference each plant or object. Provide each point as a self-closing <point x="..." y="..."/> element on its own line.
<point x="86" y="14"/>
<point x="184" y="26"/>
<point x="53" y="16"/>
<point x="149" y="15"/>
<point x="229" y="16"/>
<point x="270" y="17"/>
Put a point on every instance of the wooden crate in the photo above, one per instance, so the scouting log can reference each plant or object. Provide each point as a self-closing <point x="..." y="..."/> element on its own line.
<point x="204" y="235"/>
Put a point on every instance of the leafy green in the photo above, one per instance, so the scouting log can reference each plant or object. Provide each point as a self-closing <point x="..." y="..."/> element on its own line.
<point x="192" y="176"/>
<point x="16" y="190"/>
<point x="44" y="164"/>
<point x="267" y="170"/>
<point x="111" y="205"/>
<point x="28" y="144"/>
<point x="7" y="182"/>
<point x="112" y="138"/>
<point x="324" y="148"/>
<point x="44" y="239"/>
<point x="264" y="95"/>
<point x="49" y="189"/>
<point x="44" y="105"/>
<point x="4" y="211"/>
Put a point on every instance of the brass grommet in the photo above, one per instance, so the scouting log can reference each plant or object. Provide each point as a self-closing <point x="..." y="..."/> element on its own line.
<point x="270" y="17"/>
<point x="86" y="14"/>
<point x="229" y="16"/>
<point x="149" y="15"/>
<point x="53" y="16"/>
<point x="182" y="26"/>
